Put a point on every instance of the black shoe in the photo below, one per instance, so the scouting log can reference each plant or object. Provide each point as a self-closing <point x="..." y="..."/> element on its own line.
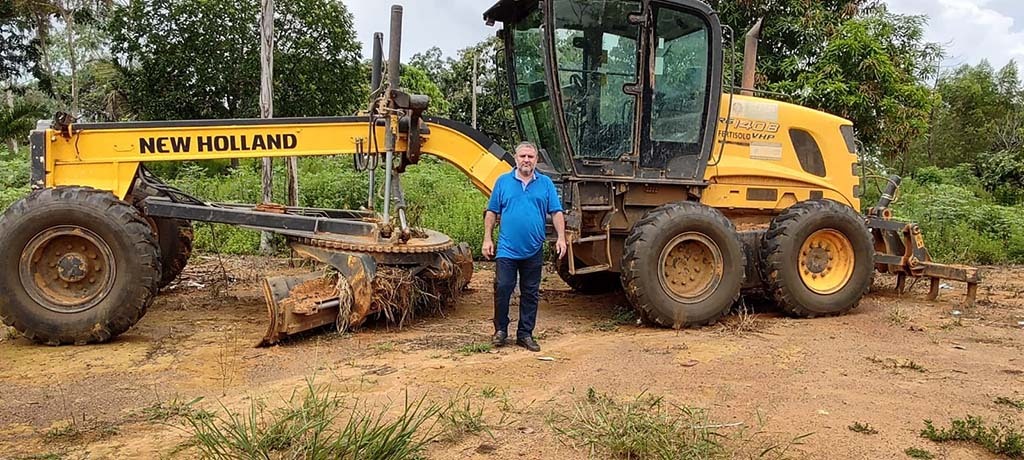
<point x="528" y="343"/>
<point x="499" y="338"/>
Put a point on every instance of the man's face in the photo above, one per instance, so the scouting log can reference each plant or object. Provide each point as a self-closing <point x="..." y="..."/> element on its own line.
<point x="526" y="160"/>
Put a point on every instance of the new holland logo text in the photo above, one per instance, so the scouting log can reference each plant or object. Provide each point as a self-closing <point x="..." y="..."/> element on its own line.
<point x="240" y="143"/>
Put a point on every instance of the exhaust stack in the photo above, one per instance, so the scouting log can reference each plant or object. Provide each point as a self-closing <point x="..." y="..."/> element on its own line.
<point x="750" y="59"/>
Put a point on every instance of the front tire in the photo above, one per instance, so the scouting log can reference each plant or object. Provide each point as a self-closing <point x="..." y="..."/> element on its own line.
<point x="87" y="263"/>
<point x="819" y="259"/>
<point x="683" y="265"/>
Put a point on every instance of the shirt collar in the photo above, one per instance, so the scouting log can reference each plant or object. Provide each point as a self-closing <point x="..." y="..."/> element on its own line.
<point x="515" y="173"/>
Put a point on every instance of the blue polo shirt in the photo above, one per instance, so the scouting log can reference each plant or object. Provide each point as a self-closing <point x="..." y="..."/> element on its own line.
<point x="523" y="208"/>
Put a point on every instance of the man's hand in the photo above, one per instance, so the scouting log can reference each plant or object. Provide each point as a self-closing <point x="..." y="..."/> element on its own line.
<point x="487" y="248"/>
<point x="560" y="247"/>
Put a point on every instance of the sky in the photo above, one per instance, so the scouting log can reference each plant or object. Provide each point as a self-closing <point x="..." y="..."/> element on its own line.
<point x="970" y="30"/>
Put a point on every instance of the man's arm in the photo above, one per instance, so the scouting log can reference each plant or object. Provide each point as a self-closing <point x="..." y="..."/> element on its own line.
<point x="558" y="220"/>
<point x="488" y="246"/>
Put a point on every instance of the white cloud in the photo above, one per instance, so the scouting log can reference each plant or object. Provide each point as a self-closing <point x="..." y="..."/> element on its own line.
<point x="448" y="24"/>
<point x="971" y="30"/>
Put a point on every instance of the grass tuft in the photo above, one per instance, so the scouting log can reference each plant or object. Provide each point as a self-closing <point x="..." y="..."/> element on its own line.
<point x="479" y="347"/>
<point x="463" y="417"/>
<point x="63" y="432"/>
<point x="623" y="316"/>
<point x="316" y="424"/>
<point x="914" y="452"/>
<point x="166" y="410"/>
<point x="641" y="428"/>
<point x="862" y="428"/>
<point x="1006" y="438"/>
<point x="892" y="363"/>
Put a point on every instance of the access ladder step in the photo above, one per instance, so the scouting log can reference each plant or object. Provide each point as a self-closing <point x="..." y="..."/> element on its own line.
<point x="597" y="207"/>
<point x="592" y="269"/>
<point x="589" y="239"/>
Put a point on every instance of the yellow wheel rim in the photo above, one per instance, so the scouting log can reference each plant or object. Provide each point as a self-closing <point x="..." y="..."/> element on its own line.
<point x="826" y="261"/>
<point x="691" y="267"/>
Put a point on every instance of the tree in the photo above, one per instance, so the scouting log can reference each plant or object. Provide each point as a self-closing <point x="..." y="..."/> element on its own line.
<point x="18" y="51"/>
<point x="794" y="32"/>
<point x="978" y="113"/>
<point x="871" y="72"/>
<point x="454" y="77"/>
<point x="200" y="58"/>
<point x="18" y="120"/>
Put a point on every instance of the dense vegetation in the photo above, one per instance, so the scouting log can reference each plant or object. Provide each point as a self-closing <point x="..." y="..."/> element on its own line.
<point x="957" y="135"/>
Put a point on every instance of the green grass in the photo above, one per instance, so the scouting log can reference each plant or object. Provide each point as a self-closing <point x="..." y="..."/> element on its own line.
<point x="64" y="432"/>
<point x="479" y="347"/>
<point x="462" y="417"/>
<point x="961" y="221"/>
<point x="862" y="428"/>
<point x="644" y="427"/>
<point x="914" y="452"/>
<point x="648" y="427"/>
<point x="317" y="423"/>
<point x="166" y="410"/>
<point x="385" y="347"/>
<point x="1005" y="438"/>
<point x="623" y="316"/>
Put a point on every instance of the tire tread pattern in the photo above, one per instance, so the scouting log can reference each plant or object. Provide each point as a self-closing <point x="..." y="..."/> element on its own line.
<point x="785" y="226"/>
<point x="645" y="229"/>
<point x="145" y="250"/>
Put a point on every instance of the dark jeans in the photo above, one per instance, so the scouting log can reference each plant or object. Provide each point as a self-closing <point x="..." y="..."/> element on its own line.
<point x="528" y="271"/>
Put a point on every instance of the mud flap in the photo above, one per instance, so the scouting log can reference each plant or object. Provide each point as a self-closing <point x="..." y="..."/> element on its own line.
<point x="300" y="303"/>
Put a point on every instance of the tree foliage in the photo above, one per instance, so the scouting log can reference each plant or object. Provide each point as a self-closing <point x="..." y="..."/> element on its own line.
<point x="453" y="77"/>
<point x="19" y="53"/>
<point x="206" y="52"/>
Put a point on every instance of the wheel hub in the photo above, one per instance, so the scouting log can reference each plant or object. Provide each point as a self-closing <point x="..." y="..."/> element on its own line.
<point x="826" y="261"/>
<point x="691" y="267"/>
<point x="72" y="267"/>
<point x="67" y="269"/>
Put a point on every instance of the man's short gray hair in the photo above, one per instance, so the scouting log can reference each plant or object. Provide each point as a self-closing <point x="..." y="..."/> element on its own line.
<point x="526" y="144"/>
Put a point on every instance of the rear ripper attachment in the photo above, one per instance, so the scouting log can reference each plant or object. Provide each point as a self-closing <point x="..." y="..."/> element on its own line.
<point x="900" y="250"/>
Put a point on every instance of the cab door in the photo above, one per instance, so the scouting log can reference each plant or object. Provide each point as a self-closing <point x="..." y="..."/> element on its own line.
<point x="682" y="90"/>
<point x="595" y="49"/>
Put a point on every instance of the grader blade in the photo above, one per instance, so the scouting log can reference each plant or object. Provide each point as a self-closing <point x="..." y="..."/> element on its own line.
<point x="365" y="283"/>
<point x="301" y="303"/>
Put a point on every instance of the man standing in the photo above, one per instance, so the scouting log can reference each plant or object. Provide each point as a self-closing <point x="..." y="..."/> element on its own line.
<point x="523" y="198"/>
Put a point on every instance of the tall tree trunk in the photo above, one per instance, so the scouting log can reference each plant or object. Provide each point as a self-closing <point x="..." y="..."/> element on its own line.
<point x="267" y="100"/>
<point x="67" y="12"/>
<point x="12" y="143"/>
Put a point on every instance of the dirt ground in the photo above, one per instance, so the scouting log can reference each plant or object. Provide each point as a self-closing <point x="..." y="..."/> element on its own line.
<point x="891" y="363"/>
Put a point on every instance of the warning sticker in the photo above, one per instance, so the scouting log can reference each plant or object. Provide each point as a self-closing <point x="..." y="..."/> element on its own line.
<point x="765" y="151"/>
<point x="751" y="110"/>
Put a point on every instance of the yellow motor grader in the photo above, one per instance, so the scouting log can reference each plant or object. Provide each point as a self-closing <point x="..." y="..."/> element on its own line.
<point x="680" y="193"/>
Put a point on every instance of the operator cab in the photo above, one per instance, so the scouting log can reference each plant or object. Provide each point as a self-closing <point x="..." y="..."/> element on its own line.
<point x="615" y="88"/>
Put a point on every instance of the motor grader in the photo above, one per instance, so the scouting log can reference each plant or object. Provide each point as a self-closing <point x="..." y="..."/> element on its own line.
<point x="677" y="190"/>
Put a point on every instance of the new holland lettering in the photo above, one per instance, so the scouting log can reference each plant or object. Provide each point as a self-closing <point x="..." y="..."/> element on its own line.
<point x="165" y="144"/>
<point x="233" y="143"/>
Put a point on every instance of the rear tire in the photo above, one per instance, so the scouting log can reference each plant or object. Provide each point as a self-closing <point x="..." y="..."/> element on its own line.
<point x="590" y="283"/>
<point x="819" y="259"/>
<point x="83" y="266"/>
<point x="175" y="237"/>
<point x="683" y="265"/>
